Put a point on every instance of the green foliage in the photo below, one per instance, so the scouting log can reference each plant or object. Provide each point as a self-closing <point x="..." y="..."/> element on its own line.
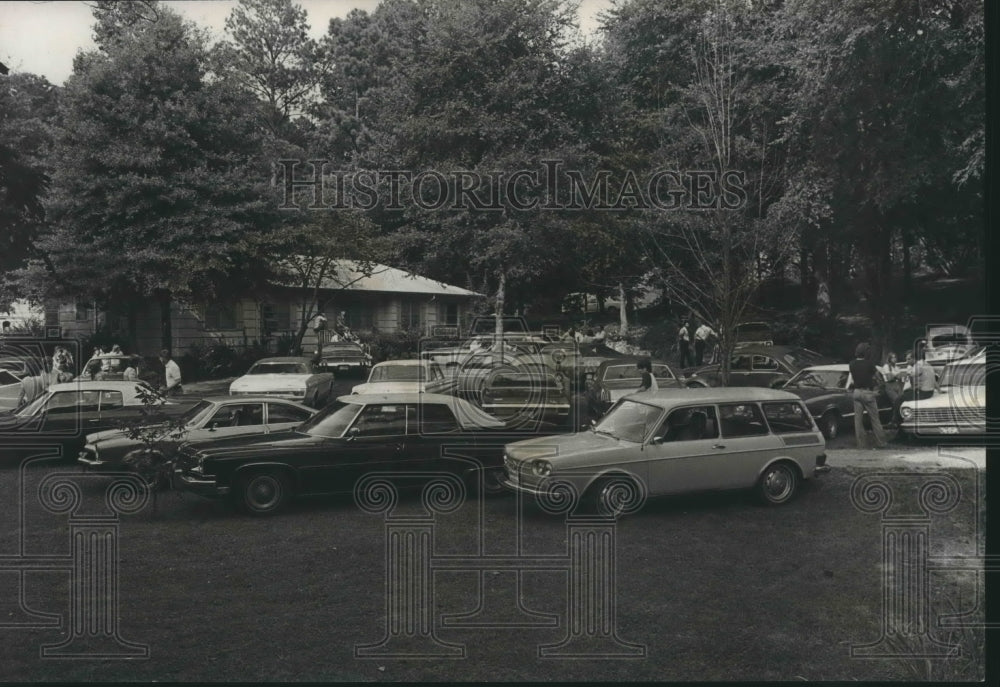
<point x="392" y="346"/>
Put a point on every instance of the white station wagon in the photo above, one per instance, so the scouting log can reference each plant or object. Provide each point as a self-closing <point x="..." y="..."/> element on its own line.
<point x="675" y="441"/>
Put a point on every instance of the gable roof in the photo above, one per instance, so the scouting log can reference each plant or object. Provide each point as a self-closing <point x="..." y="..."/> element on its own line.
<point x="347" y="275"/>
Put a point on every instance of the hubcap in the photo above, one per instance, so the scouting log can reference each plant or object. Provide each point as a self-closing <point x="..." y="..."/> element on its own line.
<point x="778" y="484"/>
<point x="264" y="492"/>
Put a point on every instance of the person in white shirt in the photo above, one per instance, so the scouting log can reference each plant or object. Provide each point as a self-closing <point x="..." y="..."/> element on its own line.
<point x="701" y="336"/>
<point x="684" y="345"/>
<point x="131" y="373"/>
<point x="172" y="374"/>
<point x="599" y="335"/>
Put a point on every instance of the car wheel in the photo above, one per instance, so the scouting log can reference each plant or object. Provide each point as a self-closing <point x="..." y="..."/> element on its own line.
<point x="616" y="496"/>
<point x="149" y="467"/>
<point x="829" y="424"/>
<point x="778" y="484"/>
<point x="263" y="493"/>
<point x="491" y="485"/>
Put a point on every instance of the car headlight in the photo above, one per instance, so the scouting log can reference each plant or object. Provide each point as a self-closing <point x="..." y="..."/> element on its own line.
<point x="541" y="468"/>
<point x="906" y="412"/>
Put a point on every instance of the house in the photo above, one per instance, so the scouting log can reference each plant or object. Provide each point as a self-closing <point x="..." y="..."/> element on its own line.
<point x="381" y="298"/>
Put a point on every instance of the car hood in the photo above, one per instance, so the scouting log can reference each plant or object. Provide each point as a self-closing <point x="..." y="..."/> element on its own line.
<point x="565" y="448"/>
<point x="953" y="397"/>
<point x="809" y="392"/>
<point x="254" y="444"/>
<point x="270" y="381"/>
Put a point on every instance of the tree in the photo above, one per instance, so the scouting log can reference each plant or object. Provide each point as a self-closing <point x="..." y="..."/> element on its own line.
<point x="154" y="191"/>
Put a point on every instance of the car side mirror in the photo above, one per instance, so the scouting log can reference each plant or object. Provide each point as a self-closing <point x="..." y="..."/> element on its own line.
<point x="657" y="440"/>
<point x="353" y="433"/>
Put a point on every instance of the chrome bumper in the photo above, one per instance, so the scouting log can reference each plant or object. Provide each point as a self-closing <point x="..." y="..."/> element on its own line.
<point x="204" y="486"/>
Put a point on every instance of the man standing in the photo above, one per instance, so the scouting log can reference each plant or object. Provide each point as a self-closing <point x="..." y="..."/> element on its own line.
<point x="701" y="337"/>
<point x="865" y="376"/>
<point x="684" y="345"/>
<point x="924" y="379"/>
<point x="171" y="373"/>
<point x="319" y="329"/>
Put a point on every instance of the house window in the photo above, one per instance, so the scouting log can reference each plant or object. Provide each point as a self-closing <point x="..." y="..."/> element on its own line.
<point x="449" y="313"/>
<point x="83" y="311"/>
<point x="223" y="316"/>
<point x="409" y="314"/>
<point x="276" y="317"/>
<point x="359" y="317"/>
<point x="52" y="316"/>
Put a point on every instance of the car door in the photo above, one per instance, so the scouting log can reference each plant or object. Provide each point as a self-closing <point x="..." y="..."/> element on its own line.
<point x="745" y="445"/>
<point x="435" y="442"/>
<point x="740" y="370"/>
<point x="373" y="444"/>
<point x="683" y="454"/>
<point x="764" y="370"/>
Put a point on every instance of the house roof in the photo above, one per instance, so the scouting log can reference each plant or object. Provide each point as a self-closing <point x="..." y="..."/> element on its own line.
<point x="347" y="275"/>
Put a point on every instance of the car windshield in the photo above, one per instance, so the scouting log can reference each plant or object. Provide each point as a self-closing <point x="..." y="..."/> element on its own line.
<point x="397" y="373"/>
<point x="629" y="421"/>
<point x="279" y="368"/>
<point x="948" y="339"/>
<point x="823" y="379"/>
<point x="964" y="375"/>
<point x="33" y="407"/>
<point x="332" y="421"/>
<point x="196" y="413"/>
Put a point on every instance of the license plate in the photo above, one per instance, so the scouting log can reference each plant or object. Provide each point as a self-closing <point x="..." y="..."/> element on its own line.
<point x="949" y="430"/>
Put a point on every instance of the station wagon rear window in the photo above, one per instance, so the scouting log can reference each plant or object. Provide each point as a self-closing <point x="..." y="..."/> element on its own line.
<point x="741" y="420"/>
<point x="786" y="418"/>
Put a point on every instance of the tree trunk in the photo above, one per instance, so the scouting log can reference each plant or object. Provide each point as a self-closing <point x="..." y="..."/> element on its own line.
<point x="622" y="311"/>
<point x="907" y="267"/>
<point x="498" y="310"/>
<point x="166" y="323"/>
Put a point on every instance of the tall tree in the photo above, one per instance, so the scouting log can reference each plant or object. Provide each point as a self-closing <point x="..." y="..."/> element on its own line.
<point x="154" y="189"/>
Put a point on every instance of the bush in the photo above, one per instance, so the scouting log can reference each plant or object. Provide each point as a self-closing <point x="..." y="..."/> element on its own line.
<point x="218" y="360"/>
<point x="394" y="346"/>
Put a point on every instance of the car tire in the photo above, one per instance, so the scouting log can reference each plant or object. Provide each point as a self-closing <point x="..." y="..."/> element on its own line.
<point x="778" y="484"/>
<point x="615" y="496"/>
<point x="829" y="424"/>
<point x="263" y="492"/>
<point x="486" y="483"/>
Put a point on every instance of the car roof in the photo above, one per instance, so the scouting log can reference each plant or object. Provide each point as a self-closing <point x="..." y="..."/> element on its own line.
<point x="403" y="397"/>
<point x="836" y="367"/>
<point x="253" y="399"/>
<point x="285" y="359"/>
<point x="83" y="385"/>
<point x="407" y="362"/>
<point x="668" y="398"/>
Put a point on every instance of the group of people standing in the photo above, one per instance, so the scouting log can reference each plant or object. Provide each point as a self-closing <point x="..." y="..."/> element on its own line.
<point x="913" y="380"/>
<point x="700" y="337"/>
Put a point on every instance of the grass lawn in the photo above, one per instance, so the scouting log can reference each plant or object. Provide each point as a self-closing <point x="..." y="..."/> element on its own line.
<point x="714" y="588"/>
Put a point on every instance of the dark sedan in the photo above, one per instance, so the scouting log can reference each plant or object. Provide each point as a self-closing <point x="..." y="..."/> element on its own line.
<point x="211" y="418"/>
<point x="345" y="358"/>
<point x="827" y="391"/>
<point x="767" y="366"/>
<point x="358" y="435"/>
<point x="619" y="377"/>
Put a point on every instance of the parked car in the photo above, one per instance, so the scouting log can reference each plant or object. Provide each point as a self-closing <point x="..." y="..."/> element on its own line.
<point x="405" y="376"/>
<point x="948" y="343"/>
<point x="295" y="378"/>
<point x="10" y="389"/>
<point x="958" y="408"/>
<point x="355" y="436"/>
<point x="345" y="358"/>
<point x="214" y="417"/>
<point x="767" y="366"/>
<point x="529" y="393"/>
<point x="828" y="391"/>
<point x="670" y="443"/>
<point x="67" y="412"/>
<point x="619" y="377"/>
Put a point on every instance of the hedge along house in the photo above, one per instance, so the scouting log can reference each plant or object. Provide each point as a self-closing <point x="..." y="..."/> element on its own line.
<point x="371" y="298"/>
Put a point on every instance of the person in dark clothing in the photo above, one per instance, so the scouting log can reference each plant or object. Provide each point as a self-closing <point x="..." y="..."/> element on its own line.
<point x="866" y="379"/>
